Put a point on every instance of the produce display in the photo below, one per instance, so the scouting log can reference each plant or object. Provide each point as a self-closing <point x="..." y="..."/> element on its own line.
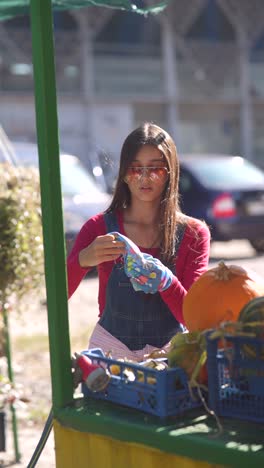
<point x="150" y="386"/>
<point x="225" y="305"/>
<point x="235" y="359"/>
<point x="187" y="351"/>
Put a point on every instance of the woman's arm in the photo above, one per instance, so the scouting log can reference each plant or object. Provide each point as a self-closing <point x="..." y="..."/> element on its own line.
<point x="75" y="272"/>
<point x="191" y="262"/>
<point x="92" y="247"/>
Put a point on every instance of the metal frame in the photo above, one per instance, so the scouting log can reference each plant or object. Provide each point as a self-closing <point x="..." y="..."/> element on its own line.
<point x="51" y="200"/>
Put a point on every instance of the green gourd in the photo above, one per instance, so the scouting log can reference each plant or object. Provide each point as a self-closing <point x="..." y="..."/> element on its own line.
<point x="252" y="319"/>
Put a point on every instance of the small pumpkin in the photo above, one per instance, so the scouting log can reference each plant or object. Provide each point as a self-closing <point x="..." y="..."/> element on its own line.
<point x="218" y="295"/>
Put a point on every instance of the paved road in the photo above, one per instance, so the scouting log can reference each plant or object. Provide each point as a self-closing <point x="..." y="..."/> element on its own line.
<point x="238" y="253"/>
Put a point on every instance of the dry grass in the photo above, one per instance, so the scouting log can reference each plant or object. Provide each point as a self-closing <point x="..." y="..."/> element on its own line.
<point x="30" y="345"/>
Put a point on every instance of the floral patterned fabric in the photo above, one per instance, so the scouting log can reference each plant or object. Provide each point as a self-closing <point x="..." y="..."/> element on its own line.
<point x="146" y="273"/>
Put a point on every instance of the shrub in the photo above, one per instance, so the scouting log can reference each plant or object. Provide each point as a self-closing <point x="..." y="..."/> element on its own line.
<point x="21" y="244"/>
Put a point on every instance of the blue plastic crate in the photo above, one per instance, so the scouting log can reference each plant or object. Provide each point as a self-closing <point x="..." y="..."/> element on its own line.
<point x="236" y="377"/>
<point x="159" y="392"/>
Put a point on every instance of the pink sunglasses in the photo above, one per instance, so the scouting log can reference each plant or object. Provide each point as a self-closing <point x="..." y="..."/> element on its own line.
<point x="152" y="172"/>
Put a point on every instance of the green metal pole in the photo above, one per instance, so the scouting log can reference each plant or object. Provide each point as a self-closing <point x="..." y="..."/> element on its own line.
<point x="51" y="200"/>
<point x="11" y="378"/>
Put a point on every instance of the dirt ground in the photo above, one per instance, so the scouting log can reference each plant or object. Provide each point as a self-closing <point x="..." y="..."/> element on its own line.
<point x="29" y="336"/>
<point x="30" y="358"/>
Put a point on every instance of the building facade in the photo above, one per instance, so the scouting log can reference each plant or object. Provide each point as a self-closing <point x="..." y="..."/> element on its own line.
<point x="189" y="70"/>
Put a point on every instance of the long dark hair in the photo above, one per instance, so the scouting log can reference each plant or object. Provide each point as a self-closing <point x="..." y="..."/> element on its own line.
<point x="170" y="213"/>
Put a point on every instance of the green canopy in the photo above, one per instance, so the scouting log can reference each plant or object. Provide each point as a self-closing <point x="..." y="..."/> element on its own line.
<point x="11" y="8"/>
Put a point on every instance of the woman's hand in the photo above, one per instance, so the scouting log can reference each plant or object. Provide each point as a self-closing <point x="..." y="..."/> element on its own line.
<point x="146" y="273"/>
<point x="102" y="249"/>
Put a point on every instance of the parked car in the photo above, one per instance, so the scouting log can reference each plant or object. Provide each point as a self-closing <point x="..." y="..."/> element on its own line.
<point x="82" y="197"/>
<point x="228" y="193"/>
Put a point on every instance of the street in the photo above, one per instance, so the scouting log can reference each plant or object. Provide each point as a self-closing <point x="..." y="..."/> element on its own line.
<point x="239" y="253"/>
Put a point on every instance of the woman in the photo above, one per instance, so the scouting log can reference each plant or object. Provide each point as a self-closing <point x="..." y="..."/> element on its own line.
<point x="145" y="209"/>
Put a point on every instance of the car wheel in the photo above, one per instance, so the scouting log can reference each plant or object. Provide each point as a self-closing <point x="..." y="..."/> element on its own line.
<point x="258" y="245"/>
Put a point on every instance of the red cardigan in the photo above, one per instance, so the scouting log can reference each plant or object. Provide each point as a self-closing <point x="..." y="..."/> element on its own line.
<point x="191" y="261"/>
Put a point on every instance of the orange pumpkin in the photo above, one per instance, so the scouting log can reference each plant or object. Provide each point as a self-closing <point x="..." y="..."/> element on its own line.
<point x="218" y="295"/>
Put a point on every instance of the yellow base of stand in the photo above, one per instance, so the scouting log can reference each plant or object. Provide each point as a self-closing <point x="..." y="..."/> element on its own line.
<point x="75" y="449"/>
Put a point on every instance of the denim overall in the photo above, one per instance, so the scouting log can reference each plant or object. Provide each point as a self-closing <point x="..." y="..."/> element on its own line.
<point x="136" y="318"/>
